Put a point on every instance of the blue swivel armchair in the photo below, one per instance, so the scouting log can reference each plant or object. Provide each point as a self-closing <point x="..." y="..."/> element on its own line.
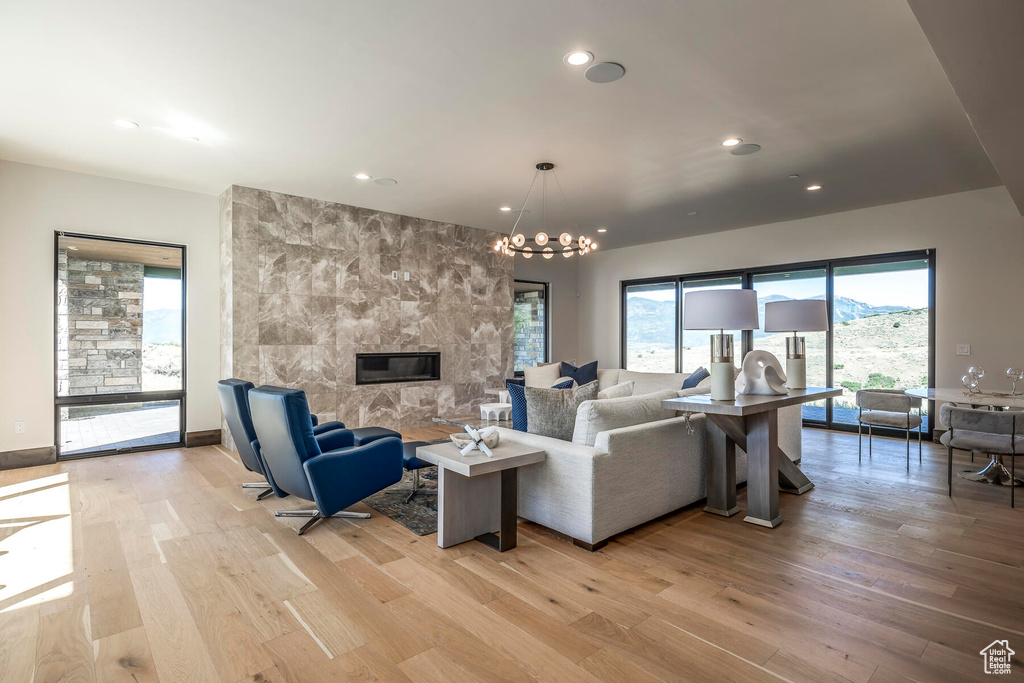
<point x="234" y="401"/>
<point x="328" y="469"/>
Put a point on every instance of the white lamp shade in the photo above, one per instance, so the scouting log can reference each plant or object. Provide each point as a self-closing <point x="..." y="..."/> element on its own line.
<point x="804" y="315"/>
<point x="720" y="309"/>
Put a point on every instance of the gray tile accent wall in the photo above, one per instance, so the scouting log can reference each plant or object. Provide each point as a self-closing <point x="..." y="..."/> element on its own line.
<point x="306" y="284"/>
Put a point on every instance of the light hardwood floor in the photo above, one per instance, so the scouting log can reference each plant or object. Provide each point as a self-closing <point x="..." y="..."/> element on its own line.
<point x="157" y="566"/>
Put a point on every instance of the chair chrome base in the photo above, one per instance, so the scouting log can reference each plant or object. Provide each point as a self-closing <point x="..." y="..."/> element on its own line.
<point x="994" y="473"/>
<point x="416" y="487"/>
<point x="259" y="485"/>
<point x="315" y="517"/>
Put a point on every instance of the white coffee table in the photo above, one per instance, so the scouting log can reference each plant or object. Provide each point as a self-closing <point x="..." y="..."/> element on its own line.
<point x="476" y="495"/>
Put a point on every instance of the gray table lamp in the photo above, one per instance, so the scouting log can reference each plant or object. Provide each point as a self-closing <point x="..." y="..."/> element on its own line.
<point x="721" y="309"/>
<point x="804" y="315"/>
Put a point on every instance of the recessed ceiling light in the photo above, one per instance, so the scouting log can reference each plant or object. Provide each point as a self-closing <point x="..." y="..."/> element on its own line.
<point x="125" y="123"/>
<point x="165" y="258"/>
<point x="194" y="139"/>
<point x="693" y="213"/>
<point x="362" y="176"/>
<point x="812" y="188"/>
<point x="731" y="142"/>
<point x="578" y="58"/>
<point x="505" y="208"/>
<point x="385" y="181"/>
<point x="794" y="176"/>
<point x="73" y="248"/>
<point x="602" y="229"/>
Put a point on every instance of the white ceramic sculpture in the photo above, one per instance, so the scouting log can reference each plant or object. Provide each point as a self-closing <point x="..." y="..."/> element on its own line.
<point x="761" y="374"/>
<point x="484" y="439"/>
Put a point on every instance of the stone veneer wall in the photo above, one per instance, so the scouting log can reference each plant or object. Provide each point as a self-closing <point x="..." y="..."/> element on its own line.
<point x="100" y="308"/>
<point x="306" y="284"/>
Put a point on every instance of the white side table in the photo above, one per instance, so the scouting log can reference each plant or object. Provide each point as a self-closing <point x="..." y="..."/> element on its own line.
<point x="496" y="411"/>
<point x="477" y="495"/>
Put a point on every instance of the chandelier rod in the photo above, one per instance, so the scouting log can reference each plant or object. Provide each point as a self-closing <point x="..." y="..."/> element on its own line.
<point x="568" y="209"/>
<point x="523" y="209"/>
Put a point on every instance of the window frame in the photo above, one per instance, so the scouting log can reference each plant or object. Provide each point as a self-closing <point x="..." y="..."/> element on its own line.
<point x="118" y="398"/>
<point x="547" y="321"/>
<point x="828" y="265"/>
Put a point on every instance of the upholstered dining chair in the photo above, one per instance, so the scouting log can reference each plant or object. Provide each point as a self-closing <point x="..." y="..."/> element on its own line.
<point x="984" y="431"/>
<point x="234" y="402"/>
<point x="328" y="469"/>
<point x="888" y="408"/>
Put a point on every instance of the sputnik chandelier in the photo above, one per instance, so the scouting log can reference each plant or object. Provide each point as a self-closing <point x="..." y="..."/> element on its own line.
<point x="543" y="244"/>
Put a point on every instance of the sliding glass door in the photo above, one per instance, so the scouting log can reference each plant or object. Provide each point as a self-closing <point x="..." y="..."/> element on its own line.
<point x="881" y="334"/>
<point x="784" y="286"/>
<point x="881" y="330"/>
<point x="120" y="345"/>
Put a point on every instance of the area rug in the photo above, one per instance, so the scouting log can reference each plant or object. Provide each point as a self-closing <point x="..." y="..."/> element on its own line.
<point x="419" y="515"/>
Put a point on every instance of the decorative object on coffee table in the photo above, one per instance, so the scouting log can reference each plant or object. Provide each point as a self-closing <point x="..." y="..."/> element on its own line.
<point x="470" y="439"/>
<point x="721" y="309"/>
<point x="802" y="315"/>
<point x="496" y="411"/>
<point x="761" y="375"/>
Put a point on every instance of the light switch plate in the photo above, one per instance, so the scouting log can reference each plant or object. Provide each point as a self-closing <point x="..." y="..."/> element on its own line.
<point x="19" y="426"/>
<point x="963" y="349"/>
<point x="394" y="274"/>
<point x="407" y="277"/>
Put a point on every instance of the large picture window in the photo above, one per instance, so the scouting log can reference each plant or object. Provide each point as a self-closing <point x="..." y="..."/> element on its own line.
<point x="881" y="334"/>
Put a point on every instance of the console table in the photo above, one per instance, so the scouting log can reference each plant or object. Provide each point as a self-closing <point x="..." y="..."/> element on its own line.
<point x="752" y="423"/>
<point x="478" y="495"/>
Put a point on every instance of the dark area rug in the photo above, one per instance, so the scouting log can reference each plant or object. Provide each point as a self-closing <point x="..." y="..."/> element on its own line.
<point x="419" y="515"/>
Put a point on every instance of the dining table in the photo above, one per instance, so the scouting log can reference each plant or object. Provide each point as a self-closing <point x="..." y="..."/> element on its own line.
<point x="994" y="472"/>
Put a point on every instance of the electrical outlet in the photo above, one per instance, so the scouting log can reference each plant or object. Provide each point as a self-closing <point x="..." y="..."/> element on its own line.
<point x="19" y="426"/>
<point x="407" y="277"/>
<point x="963" y="349"/>
<point x="394" y="274"/>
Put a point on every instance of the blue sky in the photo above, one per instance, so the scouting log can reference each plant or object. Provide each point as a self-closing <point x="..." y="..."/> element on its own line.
<point x="161" y="293"/>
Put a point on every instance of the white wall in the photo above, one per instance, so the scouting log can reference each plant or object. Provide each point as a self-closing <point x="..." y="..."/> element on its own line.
<point x="35" y="201"/>
<point x="979" y="242"/>
<point x="562" y="276"/>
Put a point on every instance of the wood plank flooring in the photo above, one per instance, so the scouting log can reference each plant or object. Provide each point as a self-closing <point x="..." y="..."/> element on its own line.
<point x="158" y="567"/>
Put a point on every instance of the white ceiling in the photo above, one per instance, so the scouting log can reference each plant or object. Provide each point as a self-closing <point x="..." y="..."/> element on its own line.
<point x="458" y="100"/>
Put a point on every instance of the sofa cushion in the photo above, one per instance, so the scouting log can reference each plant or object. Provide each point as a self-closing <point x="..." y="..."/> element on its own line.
<point x="584" y="374"/>
<point x="697" y="376"/>
<point x="552" y="412"/>
<point x="648" y="382"/>
<point x="607" y="377"/>
<point x="542" y="375"/>
<point x="617" y="391"/>
<point x="517" y="397"/>
<point x="594" y="417"/>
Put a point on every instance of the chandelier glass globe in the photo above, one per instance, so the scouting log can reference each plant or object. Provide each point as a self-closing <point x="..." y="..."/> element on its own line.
<point x="548" y="252"/>
<point x="541" y="239"/>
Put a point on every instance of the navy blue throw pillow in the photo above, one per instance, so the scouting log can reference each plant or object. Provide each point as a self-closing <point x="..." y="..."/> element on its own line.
<point x="517" y="397"/>
<point x="521" y="381"/>
<point x="585" y="374"/>
<point x="698" y="375"/>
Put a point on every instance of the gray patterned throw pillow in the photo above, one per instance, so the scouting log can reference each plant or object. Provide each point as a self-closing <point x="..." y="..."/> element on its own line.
<point x="552" y="412"/>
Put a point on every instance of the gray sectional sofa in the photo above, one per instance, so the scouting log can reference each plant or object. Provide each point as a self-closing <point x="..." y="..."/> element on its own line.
<point x="630" y="460"/>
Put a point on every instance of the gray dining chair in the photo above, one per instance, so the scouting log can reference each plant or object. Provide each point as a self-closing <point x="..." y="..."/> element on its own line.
<point x="983" y="431"/>
<point x="891" y="408"/>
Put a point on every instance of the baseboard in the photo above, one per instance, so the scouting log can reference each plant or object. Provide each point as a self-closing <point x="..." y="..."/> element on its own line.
<point x="28" y="457"/>
<point x="210" y="437"/>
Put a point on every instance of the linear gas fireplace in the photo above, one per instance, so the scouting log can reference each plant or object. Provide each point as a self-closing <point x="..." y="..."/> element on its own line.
<point x="382" y="368"/>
